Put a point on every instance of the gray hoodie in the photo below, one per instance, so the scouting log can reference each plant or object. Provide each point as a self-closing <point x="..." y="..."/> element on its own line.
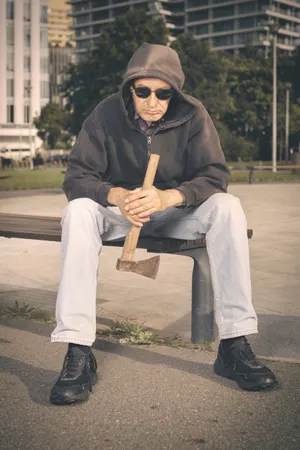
<point x="111" y="149"/>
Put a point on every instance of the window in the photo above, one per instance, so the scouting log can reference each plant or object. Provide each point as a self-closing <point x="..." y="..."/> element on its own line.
<point x="82" y="19"/>
<point x="193" y="3"/>
<point x="198" y="15"/>
<point x="10" y="61"/>
<point x="246" y="8"/>
<point x="84" y="31"/>
<point x="27" y="88"/>
<point x="121" y="10"/>
<point x="100" y="15"/>
<point x="44" y="38"/>
<point x="44" y="89"/>
<point x="99" y="3"/>
<point x="245" y="38"/>
<point x="26" y="113"/>
<point x="82" y="44"/>
<point x="10" y="113"/>
<point x="221" y="41"/>
<point x="44" y="64"/>
<point x="247" y="22"/>
<point x="27" y="36"/>
<point x="10" y="34"/>
<point x="223" y="11"/>
<point x="27" y="63"/>
<point x="96" y="30"/>
<point x="10" y="87"/>
<point x="44" y="14"/>
<point x="10" y="10"/>
<point x="82" y="6"/>
<point x="223" y="26"/>
<point x="27" y="11"/>
<point x="199" y="29"/>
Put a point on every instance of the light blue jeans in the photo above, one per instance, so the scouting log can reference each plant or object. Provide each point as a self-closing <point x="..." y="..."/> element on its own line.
<point x="85" y="224"/>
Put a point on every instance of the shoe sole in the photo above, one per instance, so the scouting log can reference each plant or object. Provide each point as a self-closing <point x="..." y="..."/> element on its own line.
<point x="225" y="371"/>
<point x="68" y="398"/>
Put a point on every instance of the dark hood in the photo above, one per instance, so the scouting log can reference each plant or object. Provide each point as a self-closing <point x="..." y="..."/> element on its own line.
<point x="156" y="61"/>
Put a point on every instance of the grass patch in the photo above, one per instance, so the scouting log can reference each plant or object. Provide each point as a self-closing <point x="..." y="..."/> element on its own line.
<point x="53" y="178"/>
<point x="123" y="332"/>
<point x="26" y="311"/>
<point x="31" y="179"/>
<point x="261" y="176"/>
<point x="136" y="334"/>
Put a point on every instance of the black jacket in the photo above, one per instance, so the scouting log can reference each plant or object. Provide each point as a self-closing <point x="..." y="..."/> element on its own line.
<point x="111" y="150"/>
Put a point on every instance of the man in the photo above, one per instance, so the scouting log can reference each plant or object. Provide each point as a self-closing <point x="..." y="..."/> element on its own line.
<point x="103" y="180"/>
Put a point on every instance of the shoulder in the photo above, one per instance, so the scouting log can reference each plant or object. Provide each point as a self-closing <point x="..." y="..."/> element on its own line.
<point x="199" y="116"/>
<point x="106" y="110"/>
<point x="199" y="109"/>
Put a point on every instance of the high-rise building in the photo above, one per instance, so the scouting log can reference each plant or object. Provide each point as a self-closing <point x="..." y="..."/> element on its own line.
<point x="230" y="25"/>
<point x="59" y="23"/>
<point x="227" y="24"/>
<point x="61" y="46"/>
<point x="89" y="16"/>
<point x="24" y="73"/>
<point x="59" y="60"/>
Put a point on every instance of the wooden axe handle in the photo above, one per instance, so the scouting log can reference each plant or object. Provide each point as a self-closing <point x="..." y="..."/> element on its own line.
<point x="133" y="235"/>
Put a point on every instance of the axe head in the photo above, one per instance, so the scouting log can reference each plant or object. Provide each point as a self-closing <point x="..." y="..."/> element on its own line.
<point x="148" y="267"/>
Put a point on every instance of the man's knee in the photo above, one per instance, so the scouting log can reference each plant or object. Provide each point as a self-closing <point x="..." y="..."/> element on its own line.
<point x="225" y="206"/>
<point x="225" y="200"/>
<point x="81" y="208"/>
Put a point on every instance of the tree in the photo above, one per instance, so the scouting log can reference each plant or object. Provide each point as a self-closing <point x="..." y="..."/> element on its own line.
<point x="234" y="146"/>
<point x="206" y="73"/>
<point x="52" y="124"/>
<point x="101" y="74"/>
<point x="251" y="86"/>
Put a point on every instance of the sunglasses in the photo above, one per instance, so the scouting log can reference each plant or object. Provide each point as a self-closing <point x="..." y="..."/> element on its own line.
<point x="145" y="92"/>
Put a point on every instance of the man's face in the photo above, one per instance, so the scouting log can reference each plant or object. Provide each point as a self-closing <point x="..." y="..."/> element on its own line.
<point x="151" y="108"/>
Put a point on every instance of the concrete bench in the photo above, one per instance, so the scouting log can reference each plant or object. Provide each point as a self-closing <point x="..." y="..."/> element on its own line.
<point x="202" y="329"/>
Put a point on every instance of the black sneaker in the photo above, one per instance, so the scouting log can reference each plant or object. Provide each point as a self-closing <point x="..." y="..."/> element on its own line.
<point x="237" y="361"/>
<point x="78" y="375"/>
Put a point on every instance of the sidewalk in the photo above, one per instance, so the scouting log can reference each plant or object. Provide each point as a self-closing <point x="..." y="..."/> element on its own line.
<point x="158" y="398"/>
<point x="155" y="398"/>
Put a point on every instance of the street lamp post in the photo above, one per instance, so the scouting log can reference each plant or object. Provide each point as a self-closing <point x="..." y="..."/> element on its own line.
<point x="20" y="143"/>
<point x="28" y="91"/>
<point x="274" y="28"/>
<point x="274" y="128"/>
<point x="287" y="120"/>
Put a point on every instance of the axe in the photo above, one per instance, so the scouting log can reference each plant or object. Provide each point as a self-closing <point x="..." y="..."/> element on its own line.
<point x="147" y="267"/>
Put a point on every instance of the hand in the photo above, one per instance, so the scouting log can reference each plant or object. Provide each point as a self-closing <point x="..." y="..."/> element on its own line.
<point x="142" y="203"/>
<point x="117" y="196"/>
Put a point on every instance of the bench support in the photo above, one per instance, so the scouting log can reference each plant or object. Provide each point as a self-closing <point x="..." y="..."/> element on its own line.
<point x="202" y="296"/>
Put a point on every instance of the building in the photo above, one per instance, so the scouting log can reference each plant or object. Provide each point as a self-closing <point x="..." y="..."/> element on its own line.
<point x="227" y="24"/>
<point x="59" y="59"/>
<point x="89" y="16"/>
<point x="230" y="25"/>
<point x="24" y="73"/>
<point x="61" y="46"/>
<point x="59" y="23"/>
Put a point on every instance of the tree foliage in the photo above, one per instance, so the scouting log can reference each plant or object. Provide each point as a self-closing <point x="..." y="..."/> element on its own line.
<point x="52" y="124"/>
<point x="237" y="91"/>
<point x="206" y="74"/>
<point x="101" y="74"/>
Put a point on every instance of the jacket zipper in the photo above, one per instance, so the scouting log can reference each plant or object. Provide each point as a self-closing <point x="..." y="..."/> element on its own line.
<point x="149" y="146"/>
